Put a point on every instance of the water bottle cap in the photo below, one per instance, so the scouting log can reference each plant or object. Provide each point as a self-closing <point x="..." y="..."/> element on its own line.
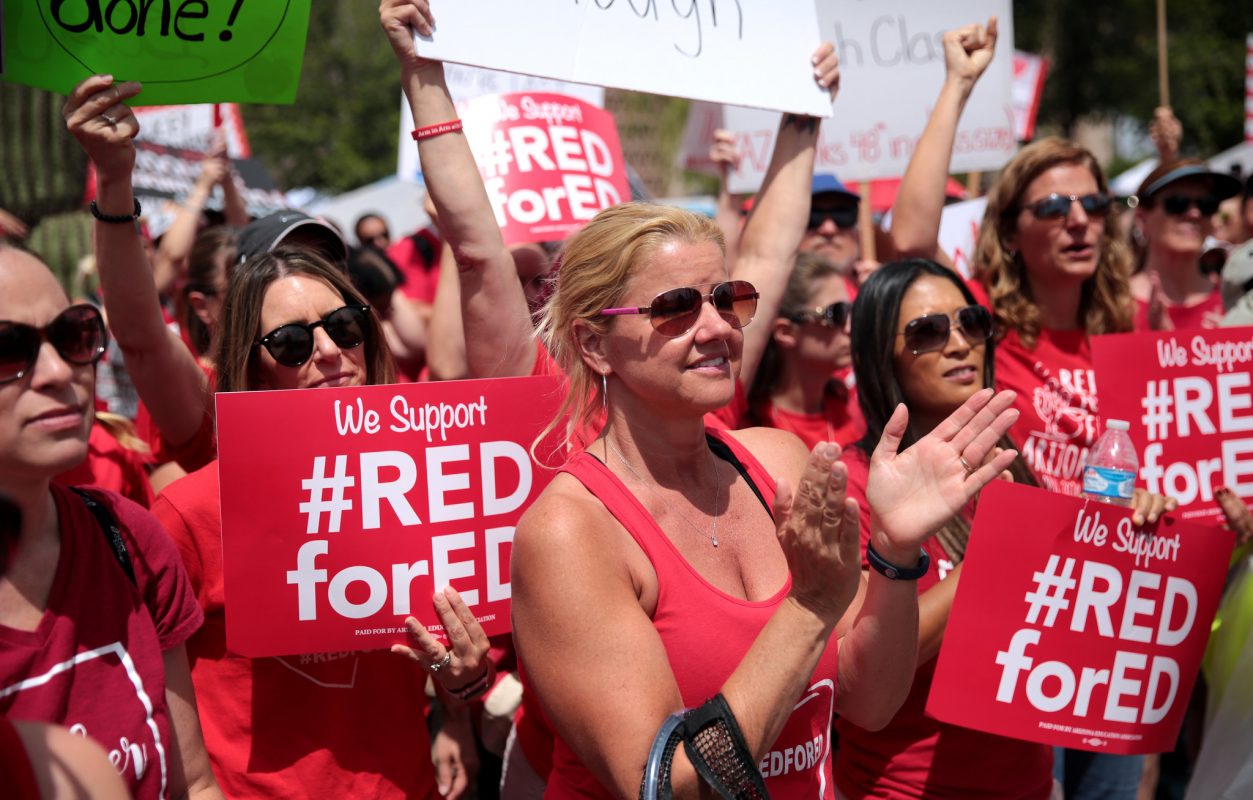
<point x="1117" y="424"/>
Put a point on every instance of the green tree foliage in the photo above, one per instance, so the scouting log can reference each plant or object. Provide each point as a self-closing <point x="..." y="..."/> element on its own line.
<point x="341" y="132"/>
<point x="1104" y="62"/>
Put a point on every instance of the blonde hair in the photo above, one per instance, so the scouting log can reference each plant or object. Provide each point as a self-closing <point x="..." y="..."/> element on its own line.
<point x="1105" y="298"/>
<point x="596" y="264"/>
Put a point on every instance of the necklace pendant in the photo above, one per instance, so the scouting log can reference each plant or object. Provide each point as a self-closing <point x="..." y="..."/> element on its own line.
<point x="713" y="538"/>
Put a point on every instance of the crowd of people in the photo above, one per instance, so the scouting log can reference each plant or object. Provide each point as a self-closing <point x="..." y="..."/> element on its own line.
<point x="774" y="449"/>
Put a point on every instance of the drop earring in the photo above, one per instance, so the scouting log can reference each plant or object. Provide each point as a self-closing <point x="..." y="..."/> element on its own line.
<point x="604" y="394"/>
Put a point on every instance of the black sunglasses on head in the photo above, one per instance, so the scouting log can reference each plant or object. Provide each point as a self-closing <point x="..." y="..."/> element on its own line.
<point x="931" y="332"/>
<point x="1057" y="206"/>
<point x="835" y="315"/>
<point x="1179" y="204"/>
<point x="843" y="218"/>
<point x="292" y="344"/>
<point x="77" y="334"/>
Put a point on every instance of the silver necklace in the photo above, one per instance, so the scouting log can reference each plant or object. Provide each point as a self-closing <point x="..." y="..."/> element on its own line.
<point x="713" y="531"/>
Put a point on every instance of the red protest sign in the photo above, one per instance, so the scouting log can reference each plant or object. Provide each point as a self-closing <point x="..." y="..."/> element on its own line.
<point x="1189" y="399"/>
<point x="344" y="509"/>
<point x="549" y="162"/>
<point x="1077" y="630"/>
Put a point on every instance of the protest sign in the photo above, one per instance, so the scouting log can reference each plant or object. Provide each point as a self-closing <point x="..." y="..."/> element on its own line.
<point x="1189" y="401"/>
<point x="343" y="510"/>
<point x="889" y="49"/>
<point x="549" y="162"/>
<point x="748" y="52"/>
<point x="1028" y="89"/>
<point x="183" y="51"/>
<point x="170" y="173"/>
<point x="470" y="83"/>
<point x="1077" y="629"/>
<point x="192" y="127"/>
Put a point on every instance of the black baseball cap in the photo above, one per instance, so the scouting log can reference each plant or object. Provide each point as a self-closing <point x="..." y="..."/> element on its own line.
<point x="263" y="235"/>
<point x="1222" y="185"/>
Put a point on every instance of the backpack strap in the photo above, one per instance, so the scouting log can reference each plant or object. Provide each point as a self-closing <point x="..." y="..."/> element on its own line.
<point x="112" y="531"/>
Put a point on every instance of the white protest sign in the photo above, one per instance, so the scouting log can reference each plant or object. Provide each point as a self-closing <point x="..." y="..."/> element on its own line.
<point x="192" y="127"/>
<point x="470" y="83"/>
<point x="748" y="52"/>
<point x="891" y="69"/>
<point x="1029" y="73"/>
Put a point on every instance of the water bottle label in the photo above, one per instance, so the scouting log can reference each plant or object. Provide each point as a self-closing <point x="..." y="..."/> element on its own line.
<point x="1108" y="482"/>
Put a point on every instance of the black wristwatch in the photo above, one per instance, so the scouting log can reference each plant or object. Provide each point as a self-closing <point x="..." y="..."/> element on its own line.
<point x="892" y="572"/>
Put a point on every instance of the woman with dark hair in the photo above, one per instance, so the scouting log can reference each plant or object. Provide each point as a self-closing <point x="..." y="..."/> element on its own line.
<point x="794" y="388"/>
<point x="922" y="340"/>
<point x="274" y="727"/>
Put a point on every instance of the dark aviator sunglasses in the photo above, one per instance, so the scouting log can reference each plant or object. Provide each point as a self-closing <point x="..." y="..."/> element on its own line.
<point x="931" y="332"/>
<point x="292" y="344"/>
<point x="1057" y="206"/>
<point x="675" y="312"/>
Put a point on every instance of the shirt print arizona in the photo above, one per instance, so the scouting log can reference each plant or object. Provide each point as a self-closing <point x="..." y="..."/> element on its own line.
<point x="1064" y="428"/>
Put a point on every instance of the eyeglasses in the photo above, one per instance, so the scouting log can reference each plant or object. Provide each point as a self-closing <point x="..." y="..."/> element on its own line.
<point x="833" y="316"/>
<point x="931" y="332"/>
<point x="77" y="334"/>
<point x="674" y="312"/>
<point x="1179" y="204"/>
<point x="842" y="217"/>
<point x="292" y="344"/>
<point x="1057" y="206"/>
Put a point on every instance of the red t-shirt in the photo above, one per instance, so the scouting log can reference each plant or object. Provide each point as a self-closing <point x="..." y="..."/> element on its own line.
<point x="16" y="773"/>
<point x="334" y="725"/>
<point x="421" y="273"/>
<point x="706" y="634"/>
<point x="111" y="466"/>
<point x="1206" y="314"/>
<point x="1057" y="404"/>
<point x="94" y="664"/>
<point x="840" y="420"/>
<point x="917" y="756"/>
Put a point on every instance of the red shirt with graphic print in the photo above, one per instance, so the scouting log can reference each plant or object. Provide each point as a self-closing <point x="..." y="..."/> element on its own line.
<point x="95" y="662"/>
<point x="335" y="725"/>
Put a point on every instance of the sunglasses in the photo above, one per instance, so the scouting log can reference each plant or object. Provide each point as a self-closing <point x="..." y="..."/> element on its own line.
<point x="842" y="217"/>
<point x="1057" y="206"/>
<point x="1178" y="204"/>
<point x="77" y="334"/>
<point x="931" y="332"/>
<point x="674" y="313"/>
<point x="833" y="316"/>
<point x="292" y="344"/>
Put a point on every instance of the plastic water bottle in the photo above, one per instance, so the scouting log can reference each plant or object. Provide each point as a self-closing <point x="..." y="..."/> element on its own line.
<point x="1109" y="472"/>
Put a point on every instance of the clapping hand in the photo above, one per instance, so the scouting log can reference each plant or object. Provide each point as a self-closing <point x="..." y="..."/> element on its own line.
<point x="913" y="493"/>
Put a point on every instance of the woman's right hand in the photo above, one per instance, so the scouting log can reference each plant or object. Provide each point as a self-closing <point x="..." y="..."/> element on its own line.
<point x="819" y="530"/>
<point x="103" y="125"/>
<point x="968" y="50"/>
<point x="400" y="18"/>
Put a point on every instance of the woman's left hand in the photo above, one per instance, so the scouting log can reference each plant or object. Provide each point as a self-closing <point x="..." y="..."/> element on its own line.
<point x="454" y="754"/>
<point x="1148" y="508"/>
<point x="913" y="493"/>
<point x="465" y="659"/>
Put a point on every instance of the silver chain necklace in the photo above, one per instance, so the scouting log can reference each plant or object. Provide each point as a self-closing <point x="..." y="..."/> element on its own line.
<point x="713" y="531"/>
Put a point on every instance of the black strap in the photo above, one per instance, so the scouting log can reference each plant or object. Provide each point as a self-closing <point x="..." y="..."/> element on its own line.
<point x="722" y="450"/>
<point x="111" y="530"/>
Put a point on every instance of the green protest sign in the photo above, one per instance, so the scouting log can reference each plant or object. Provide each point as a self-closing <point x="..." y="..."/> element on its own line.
<point x="183" y="51"/>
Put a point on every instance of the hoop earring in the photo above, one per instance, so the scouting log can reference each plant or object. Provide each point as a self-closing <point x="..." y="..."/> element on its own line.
<point x="604" y="394"/>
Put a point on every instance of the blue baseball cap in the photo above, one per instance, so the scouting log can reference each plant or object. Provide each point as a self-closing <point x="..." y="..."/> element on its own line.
<point x="829" y="184"/>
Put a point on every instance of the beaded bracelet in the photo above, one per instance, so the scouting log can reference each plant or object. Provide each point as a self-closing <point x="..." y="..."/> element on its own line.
<point x="476" y="687"/>
<point x="452" y="126"/>
<point x="115" y="219"/>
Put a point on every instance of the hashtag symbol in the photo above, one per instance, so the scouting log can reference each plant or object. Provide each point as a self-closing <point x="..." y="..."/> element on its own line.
<point x="500" y="156"/>
<point x="1056" y="600"/>
<point x="1157" y="414"/>
<point x="317" y="485"/>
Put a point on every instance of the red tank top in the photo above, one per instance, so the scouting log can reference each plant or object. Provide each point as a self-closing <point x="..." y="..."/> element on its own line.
<point x="706" y="633"/>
